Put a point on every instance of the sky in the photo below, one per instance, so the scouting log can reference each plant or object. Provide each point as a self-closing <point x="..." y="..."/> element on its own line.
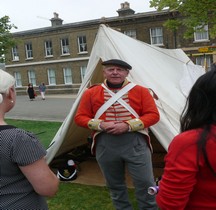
<point x="33" y="14"/>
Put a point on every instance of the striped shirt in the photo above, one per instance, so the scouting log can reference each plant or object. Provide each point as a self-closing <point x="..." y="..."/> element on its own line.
<point x="117" y="112"/>
<point x="18" y="148"/>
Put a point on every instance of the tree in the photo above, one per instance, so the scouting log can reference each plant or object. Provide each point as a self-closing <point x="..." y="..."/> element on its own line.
<point x="194" y="13"/>
<point x="6" y="39"/>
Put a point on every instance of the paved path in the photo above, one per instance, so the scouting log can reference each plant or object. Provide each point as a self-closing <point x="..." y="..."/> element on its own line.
<point x="54" y="108"/>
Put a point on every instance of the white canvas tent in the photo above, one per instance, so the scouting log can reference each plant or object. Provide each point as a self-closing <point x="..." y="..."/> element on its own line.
<point x="169" y="73"/>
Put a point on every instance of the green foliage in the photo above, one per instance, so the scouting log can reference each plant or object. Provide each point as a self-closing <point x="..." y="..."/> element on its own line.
<point x="173" y="25"/>
<point x="194" y="12"/>
<point x="6" y="39"/>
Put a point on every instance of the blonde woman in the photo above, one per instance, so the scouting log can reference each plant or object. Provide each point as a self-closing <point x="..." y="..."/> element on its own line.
<point x="25" y="176"/>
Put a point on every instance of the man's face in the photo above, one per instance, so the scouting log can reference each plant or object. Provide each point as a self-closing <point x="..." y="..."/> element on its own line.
<point x="115" y="74"/>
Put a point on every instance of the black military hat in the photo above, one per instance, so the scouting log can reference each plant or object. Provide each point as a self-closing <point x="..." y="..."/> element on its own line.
<point x="68" y="171"/>
<point x="117" y="62"/>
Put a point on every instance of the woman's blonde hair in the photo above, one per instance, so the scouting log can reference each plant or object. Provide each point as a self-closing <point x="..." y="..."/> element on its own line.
<point x="6" y="82"/>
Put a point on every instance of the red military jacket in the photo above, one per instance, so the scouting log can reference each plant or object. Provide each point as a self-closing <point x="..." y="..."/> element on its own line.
<point x="139" y="98"/>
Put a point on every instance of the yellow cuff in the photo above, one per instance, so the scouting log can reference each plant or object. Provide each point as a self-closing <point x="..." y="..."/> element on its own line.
<point x="93" y="124"/>
<point x="135" y="124"/>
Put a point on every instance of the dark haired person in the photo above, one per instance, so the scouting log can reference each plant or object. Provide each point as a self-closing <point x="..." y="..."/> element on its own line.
<point x="189" y="179"/>
<point x="119" y="113"/>
<point x="31" y="92"/>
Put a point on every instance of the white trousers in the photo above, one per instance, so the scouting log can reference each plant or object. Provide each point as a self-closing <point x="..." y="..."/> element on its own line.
<point x="42" y="95"/>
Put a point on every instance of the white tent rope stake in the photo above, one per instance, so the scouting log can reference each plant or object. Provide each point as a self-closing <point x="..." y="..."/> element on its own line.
<point x="169" y="72"/>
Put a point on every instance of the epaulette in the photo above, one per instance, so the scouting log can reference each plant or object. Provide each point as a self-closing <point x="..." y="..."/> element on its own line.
<point x="154" y="95"/>
<point x="94" y="85"/>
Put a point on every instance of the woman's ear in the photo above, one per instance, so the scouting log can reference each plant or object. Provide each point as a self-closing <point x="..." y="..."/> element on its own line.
<point x="1" y="98"/>
<point x="11" y="93"/>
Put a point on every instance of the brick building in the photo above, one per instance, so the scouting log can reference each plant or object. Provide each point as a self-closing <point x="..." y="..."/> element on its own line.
<point x="58" y="55"/>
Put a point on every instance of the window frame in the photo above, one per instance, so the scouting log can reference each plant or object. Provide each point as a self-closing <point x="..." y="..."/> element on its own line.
<point x="200" y="60"/>
<point x="48" y="48"/>
<point x="131" y="33"/>
<point x="201" y="34"/>
<point x="29" y="50"/>
<point x="156" y="39"/>
<point x="51" y="77"/>
<point x="32" y="77"/>
<point x="15" y="53"/>
<point x="83" y="72"/>
<point x="65" y="50"/>
<point x="82" y="44"/>
<point x="65" y="70"/>
<point x="18" y="79"/>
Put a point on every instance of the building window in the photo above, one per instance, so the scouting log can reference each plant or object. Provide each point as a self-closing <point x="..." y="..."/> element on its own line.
<point x="156" y="35"/>
<point x="15" y="54"/>
<point x="51" y="77"/>
<point x="67" y="75"/>
<point x="65" y="46"/>
<point x="82" y="44"/>
<point x="83" y="72"/>
<point x="29" y="51"/>
<point x="201" y="33"/>
<point x="48" y="48"/>
<point x="18" y="80"/>
<point x="131" y="33"/>
<point x="204" y="61"/>
<point x="32" y="77"/>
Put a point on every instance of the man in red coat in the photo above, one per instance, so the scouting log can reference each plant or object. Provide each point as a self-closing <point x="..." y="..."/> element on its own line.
<point x="119" y="113"/>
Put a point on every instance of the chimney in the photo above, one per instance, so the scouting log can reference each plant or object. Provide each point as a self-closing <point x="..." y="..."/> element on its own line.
<point x="56" y="21"/>
<point x="125" y="9"/>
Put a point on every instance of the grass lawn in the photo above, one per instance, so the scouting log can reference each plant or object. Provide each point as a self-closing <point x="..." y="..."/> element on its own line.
<point x="71" y="196"/>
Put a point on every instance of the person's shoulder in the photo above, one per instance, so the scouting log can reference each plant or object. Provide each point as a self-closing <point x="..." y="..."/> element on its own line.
<point x="142" y="89"/>
<point x="137" y="86"/>
<point x="94" y="86"/>
<point x="24" y="133"/>
<point x="185" y="139"/>
<point x="18" y="134"/>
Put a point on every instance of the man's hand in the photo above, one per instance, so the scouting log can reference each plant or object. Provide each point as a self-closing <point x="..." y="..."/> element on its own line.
<point x="114" y="127"/>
